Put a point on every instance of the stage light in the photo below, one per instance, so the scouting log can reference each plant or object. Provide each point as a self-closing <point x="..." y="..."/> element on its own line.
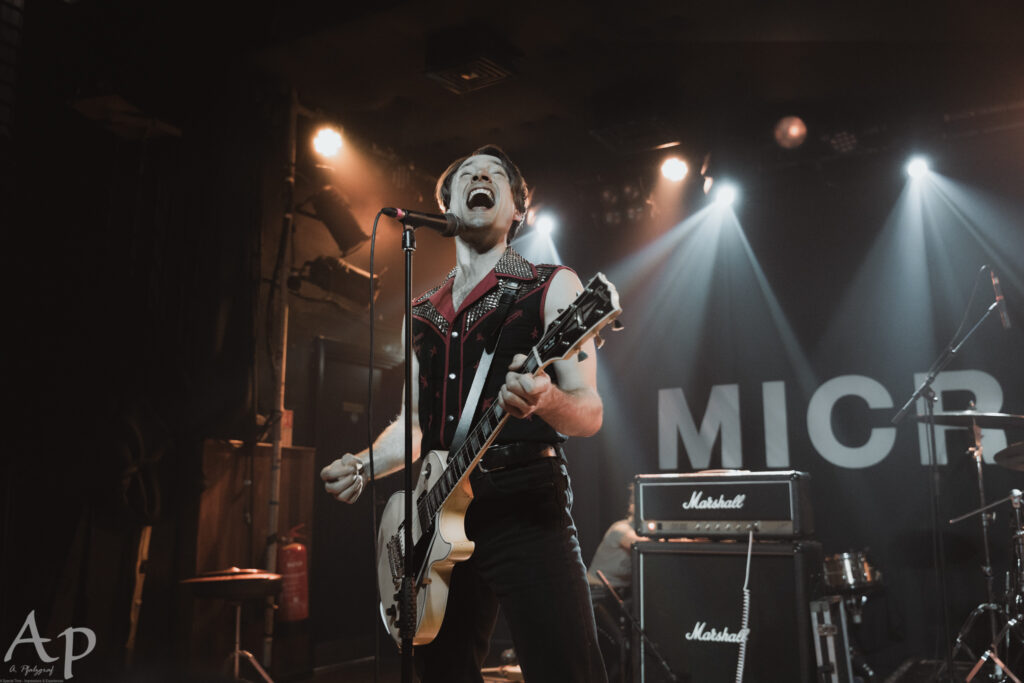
<point x="674" y="169"/>
<point x="790" y="132"/>
<point x="331" y="209"/>
<point x="726" y="194"/>
<point x="327" y="142"/>
<point x="609" y="197"/>
<point x="336" y="276"/>
<point x="917" y="167"/>
<point x="843" y="141"/>
<point x="544" y="224"/>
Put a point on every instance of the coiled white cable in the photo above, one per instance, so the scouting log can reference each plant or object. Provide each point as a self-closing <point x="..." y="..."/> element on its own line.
<point x="744" y="633"/>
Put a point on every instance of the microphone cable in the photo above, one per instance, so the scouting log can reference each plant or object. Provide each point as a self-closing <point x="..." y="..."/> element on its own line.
<point x="744" y="632"/>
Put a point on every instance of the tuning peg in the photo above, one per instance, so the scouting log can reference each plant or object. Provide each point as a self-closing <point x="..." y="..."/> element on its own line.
<point x="598" y="340"/>
<point x="582" y="356"/>
<point x="617" y="325"/>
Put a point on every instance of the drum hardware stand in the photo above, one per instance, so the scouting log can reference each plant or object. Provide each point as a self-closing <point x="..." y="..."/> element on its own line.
<point x="926" y="392"/>
<point x="636" y="626"/>
<point x="1001" y="672"/>
<point x="990" y="653"/>
<point x="856" y="615"/>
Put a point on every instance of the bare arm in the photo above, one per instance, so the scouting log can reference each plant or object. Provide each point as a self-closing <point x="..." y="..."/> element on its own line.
<point x="573" y="407"/>
<point x="346" y="477"/>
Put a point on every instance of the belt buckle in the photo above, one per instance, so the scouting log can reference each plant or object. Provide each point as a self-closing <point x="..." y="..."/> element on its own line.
<point x="488" y="470"/>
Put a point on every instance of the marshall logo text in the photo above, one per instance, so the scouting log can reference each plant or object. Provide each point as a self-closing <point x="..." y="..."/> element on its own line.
<point x="699" y="502"/>
<point x="701" y="633"/>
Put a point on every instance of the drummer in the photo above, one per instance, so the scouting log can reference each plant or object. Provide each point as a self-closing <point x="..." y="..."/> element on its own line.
<point x="614" y="558"/>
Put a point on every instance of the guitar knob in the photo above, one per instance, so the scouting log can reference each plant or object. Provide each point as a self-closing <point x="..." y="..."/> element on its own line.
<point x="426" y="470"/>
<point x="392" y="613"/>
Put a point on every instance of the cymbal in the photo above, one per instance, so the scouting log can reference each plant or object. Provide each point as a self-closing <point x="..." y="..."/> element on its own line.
<point x="1012" y="457"/>
<point x="969" y="418"/>
<point x="235" y="584"/>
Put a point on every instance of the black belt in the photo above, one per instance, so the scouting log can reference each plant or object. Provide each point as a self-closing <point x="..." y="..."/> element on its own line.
<point x="503" y="456"/>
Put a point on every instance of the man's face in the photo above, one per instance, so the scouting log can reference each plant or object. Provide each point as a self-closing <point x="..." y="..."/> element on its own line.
<point x="482" y="196"/>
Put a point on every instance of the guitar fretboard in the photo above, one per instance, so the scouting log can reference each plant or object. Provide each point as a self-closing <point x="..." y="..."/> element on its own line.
<point x="482" y="434"/>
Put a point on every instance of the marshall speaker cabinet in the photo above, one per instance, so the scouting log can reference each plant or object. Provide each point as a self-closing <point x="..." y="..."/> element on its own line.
<point x="688" y="598"/>
<point x="726" y="503"/>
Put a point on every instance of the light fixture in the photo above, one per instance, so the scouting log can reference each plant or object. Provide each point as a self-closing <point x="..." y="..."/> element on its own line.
<point x="345" y="284"/>
<point x="843" y="141"/>
<point x="327" y="142"/>
<point x="726" y="194"/>
<point x="674" y="169"/>
<point x="544" y="224"/>
<point x="790" y="132"/>
<point x="917" y="167"/>
<point x="332" y="210"/>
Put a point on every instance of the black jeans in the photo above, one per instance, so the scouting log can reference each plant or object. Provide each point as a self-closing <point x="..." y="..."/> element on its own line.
<point x="527" y="560"/>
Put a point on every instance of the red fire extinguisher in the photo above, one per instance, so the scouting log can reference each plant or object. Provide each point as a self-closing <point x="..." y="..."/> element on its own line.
<point x="293" y="565"/>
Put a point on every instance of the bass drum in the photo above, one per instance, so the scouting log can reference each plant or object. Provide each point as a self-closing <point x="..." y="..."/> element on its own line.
<point x="851" y="572"/>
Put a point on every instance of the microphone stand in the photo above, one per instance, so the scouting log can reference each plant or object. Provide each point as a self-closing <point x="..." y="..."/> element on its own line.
<point x="407" y="604"/>
<point x="925" y="391"/>
<point x="636" y="626"/>
<point x="447" y="225"/>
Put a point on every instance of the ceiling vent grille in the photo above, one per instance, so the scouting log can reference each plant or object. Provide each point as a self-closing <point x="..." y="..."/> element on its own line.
<point x="637" y="136"/>
<point x="475" y="74"/>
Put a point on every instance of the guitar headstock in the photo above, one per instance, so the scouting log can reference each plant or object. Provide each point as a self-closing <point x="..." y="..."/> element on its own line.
<point x="596" y="307"/>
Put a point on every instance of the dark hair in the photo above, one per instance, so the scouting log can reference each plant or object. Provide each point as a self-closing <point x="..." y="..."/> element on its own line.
<point x="520" y="192"/>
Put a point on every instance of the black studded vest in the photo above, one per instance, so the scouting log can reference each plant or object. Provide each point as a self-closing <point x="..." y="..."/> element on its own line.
<point x="448" y="345"/>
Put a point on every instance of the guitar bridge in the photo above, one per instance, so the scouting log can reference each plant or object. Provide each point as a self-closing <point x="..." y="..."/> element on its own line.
<point x="396" y="554"/>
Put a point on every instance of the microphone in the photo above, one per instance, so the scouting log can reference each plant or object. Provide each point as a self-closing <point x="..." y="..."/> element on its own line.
<point x="449" y="225"/>
<point x="1000" y="302"/>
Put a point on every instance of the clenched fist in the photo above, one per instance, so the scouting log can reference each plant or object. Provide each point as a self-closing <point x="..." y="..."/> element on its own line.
<point x="345" y="478"/>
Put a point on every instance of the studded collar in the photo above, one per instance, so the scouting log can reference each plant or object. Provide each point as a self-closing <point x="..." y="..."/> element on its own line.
<point x="510" y="266"/>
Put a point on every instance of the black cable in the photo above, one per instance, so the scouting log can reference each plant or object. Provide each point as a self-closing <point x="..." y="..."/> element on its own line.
<point x="938" y="546"/>
<point x="286" y="230"/>
<point x="963" y="321"/>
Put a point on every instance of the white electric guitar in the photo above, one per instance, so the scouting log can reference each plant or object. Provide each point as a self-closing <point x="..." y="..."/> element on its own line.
<point x="443" y="493"/>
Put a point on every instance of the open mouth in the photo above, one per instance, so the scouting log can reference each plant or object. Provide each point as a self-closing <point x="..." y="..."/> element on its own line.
<point x="480" y="198"/>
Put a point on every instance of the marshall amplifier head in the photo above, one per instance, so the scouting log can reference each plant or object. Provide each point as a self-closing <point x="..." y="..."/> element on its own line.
<point x="724" y="503"/>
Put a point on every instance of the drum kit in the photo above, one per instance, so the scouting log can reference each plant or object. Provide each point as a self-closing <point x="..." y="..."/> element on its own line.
<point x="853" y="576"/>
<point x="1008" y="610"/>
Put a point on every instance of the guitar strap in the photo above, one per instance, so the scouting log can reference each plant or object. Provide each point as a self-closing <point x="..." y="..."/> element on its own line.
<point x="509" y="292"/>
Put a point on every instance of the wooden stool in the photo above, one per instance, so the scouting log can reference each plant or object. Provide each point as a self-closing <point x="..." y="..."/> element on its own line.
<point x="237" y="586"/>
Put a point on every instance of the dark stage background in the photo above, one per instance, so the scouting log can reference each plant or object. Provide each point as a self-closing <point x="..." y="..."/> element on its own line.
<point x="142" y="154"/>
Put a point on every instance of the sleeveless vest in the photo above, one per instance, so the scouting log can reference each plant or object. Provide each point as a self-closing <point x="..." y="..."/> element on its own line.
<point x="448" y="344"/>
